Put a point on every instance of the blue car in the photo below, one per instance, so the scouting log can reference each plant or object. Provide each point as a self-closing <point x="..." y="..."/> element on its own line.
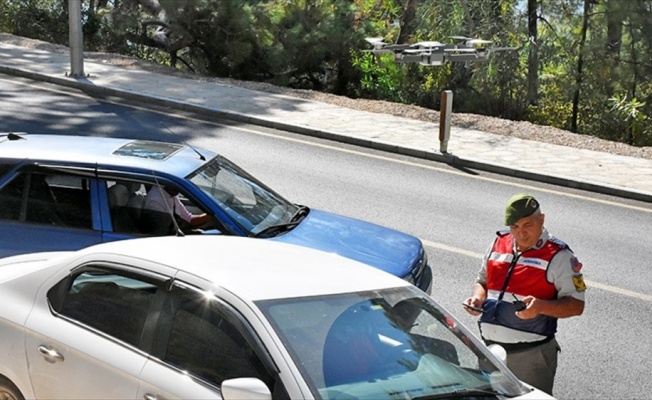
<point x="68" y="192"/>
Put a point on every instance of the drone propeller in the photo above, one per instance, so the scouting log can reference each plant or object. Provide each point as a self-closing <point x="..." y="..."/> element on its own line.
<point x="478" y="41"/>
<point x="373" y="40"/>
<point x="502" y="48"/>
<point x="460" y="50"/>
<point x="377" y="42"/>
<point x="427" y="44"/>
<point x="384" y="47"/>
<point x="459" y="38"/>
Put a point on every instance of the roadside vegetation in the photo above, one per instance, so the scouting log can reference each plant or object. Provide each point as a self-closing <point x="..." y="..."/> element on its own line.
<point x="579" y="65"/>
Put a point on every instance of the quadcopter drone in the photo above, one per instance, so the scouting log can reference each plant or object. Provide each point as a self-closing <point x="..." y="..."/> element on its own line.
<point x="435" y="53"/>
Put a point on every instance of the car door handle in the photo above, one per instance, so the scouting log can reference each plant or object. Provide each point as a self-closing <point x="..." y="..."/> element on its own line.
<point x="149" y="396"/>
<point x="50" y="355"/>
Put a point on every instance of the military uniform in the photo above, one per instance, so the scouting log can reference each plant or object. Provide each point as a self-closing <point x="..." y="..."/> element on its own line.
<point x="547" y="270"/>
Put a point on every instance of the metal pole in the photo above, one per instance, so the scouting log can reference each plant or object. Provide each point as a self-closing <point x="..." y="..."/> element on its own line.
<point x="76" y="39"/>
<point x="445" y="120"/>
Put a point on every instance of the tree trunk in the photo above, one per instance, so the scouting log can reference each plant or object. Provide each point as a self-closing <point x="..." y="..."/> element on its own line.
<point x="580" y="61"/>
<point x="615" y="18"/>
<point x="533" y="54"/>
<point x="408" y="21"/>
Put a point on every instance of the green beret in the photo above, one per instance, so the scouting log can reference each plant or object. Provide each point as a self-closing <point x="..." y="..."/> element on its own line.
<point x="520" y="206"/>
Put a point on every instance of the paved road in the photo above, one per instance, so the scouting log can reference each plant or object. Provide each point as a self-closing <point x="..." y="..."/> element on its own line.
<point x="595" y="171"/>
<point x="453" y="211"/>
<point x="606" y="350"/>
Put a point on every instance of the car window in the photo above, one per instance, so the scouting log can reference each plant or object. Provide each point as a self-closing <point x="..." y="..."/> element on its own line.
<point x="126" y="200"/>
<point x="251" y="204"/>
<point x="52" y="199"/>
<point x="204" y="342"/>
<point x="386" y="343"/>
<point x="114" y="303"/>
<point x="4" y="167"/>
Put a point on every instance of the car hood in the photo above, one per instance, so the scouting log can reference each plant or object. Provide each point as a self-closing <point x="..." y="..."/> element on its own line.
<point x="387" y="249"/>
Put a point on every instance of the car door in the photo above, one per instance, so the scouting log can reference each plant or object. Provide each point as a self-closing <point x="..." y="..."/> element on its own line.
<point x="201" y="342"/>
<point x="86" y="337"/>
<point x="46" y="210"/>
<point x="124" y="212"/>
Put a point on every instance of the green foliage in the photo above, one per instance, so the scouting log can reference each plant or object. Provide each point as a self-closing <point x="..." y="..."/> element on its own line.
<point x="5" y="12"/>
<point x="553" y="107"/>
<point x="628" y="113"/>
<point x="37" y="19"/>
<point x="549" y="110"/>
<point x="378" y="80"/>
<point x="317" y="44"/>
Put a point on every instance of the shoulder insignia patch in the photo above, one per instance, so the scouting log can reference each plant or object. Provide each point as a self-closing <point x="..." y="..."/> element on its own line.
<point x="578" y="281"/>
<point x="575" y="264"/>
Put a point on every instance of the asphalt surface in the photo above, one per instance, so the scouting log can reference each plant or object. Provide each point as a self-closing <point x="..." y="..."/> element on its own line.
<point x="600" y="172"/>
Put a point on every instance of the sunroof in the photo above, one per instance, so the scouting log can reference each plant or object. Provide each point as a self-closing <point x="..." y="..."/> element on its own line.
<point x="150" y="150"/>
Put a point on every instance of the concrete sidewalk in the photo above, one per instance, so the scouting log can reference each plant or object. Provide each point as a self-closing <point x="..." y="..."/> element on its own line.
<point x="627" y="177"/>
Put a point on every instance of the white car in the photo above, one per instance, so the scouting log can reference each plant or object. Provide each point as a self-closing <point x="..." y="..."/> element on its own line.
<point x="235" y="318"/>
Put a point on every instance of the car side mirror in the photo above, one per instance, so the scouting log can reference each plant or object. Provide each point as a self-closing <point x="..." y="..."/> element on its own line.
<point x="498" y="351"/>
<point x="245" y="389"/>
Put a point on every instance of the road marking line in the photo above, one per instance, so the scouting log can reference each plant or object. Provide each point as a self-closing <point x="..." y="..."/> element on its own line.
<point x="440" y="246"/>
<point x="590" y="284"/>
<point x="447" y="170"/>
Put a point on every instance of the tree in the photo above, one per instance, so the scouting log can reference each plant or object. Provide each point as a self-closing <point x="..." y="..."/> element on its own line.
<point x="584" y="65"/>
<point x="580" y="64"/>
<point x="533" y="54"/>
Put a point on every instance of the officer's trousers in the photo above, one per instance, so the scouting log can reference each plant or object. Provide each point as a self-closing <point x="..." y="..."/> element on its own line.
<point x="536" y="365"/>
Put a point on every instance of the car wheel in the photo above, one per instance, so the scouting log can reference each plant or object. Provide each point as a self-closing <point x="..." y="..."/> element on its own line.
<point x="9" y="391"/>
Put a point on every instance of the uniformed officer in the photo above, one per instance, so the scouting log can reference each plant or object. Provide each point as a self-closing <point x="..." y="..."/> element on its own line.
<point x="527" y="281"/>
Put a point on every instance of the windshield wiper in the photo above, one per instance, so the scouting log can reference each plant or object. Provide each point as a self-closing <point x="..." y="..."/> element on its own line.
<point x="299" y="214"/>
<point x="461" y="394"/>
<point x="278" y="228"/>
<point x="296" y="219"/>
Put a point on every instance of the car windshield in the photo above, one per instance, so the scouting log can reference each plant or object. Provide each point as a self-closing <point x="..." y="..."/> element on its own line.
<point x="393" y="344"/>
<point x="250" y="203"/>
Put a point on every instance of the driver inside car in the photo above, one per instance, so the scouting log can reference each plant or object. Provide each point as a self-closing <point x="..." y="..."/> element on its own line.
<point x="163" y="202"/>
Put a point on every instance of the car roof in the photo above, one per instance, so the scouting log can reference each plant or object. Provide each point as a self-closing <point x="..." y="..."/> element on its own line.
<point x="254" y="269"/>
<point x="173" y="158"/>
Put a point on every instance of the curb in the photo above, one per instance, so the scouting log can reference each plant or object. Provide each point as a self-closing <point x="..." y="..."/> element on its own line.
<point x="446" y="158"/>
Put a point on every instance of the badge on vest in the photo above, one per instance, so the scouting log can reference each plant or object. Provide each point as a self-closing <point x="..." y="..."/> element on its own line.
<point x="578" y="281"/>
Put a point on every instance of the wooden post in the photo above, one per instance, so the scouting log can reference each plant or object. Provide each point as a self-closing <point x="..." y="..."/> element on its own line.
<point x="445" y="120"/>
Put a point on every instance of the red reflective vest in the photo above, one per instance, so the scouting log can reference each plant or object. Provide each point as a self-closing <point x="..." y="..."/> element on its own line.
<point x="528" y="279"/>
<point x="529" y="275"/>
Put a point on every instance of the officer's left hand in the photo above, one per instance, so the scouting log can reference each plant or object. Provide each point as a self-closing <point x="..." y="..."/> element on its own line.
<point x="531" y="310"/>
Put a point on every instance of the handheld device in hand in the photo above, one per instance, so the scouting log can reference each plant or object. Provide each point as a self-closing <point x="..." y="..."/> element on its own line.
<point x="473" y="308"/>
<point x="519" y="305"/>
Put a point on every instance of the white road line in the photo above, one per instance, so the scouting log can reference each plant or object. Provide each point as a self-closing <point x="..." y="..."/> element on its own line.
<point x="446" y="170"/>
<point x="441" y="246"/>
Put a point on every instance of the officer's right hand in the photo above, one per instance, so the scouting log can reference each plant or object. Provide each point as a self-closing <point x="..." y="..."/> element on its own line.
<point x="473" y="306"/>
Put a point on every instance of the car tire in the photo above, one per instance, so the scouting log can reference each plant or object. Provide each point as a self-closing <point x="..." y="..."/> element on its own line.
<point x="9" y="391"/>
